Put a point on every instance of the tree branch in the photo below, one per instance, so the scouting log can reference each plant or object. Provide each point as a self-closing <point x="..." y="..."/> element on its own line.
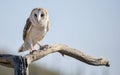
<point x="65" y="50"/>
<point x="7" y="60"/>
<point x="21" y="64"/>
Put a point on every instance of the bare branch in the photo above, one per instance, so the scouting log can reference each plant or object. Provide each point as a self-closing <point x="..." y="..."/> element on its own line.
<point x="65" y="50"/>
<point x="21" y="64"/>
<point x="5" y="60"/>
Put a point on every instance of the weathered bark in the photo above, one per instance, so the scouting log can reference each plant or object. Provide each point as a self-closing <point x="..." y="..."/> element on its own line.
<point x="17" y="62"/>
<point x="65" y="50"/>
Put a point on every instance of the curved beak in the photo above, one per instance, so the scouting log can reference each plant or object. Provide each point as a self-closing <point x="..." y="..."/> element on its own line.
<point x="39" y="16"/>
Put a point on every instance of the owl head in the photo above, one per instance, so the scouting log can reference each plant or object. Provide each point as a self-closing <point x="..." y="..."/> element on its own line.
<point x="39" y="16"/>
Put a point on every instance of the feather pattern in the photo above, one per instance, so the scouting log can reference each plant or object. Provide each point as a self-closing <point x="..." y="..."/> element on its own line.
<point x="26" y="28"/>
<point x="36" y="27"/>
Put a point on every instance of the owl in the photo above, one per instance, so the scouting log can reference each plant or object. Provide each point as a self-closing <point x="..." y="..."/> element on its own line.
<point x="36" y="27"/>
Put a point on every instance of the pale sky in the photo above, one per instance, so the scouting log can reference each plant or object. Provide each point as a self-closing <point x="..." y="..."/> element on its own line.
<point x="92" y="26"/>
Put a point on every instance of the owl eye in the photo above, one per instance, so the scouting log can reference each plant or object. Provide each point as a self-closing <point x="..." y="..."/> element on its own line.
<point x="42" y="15"/>
<point x="35" y="15"/>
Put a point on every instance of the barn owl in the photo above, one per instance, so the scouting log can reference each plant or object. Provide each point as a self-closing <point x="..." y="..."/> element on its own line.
<point x="36" y="27"/>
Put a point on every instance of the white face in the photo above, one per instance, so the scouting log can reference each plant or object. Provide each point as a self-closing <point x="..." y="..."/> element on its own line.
<point x="39" y="16"/>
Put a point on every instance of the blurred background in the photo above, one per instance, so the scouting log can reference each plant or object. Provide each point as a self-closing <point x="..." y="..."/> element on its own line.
<point x="92" y="26"/>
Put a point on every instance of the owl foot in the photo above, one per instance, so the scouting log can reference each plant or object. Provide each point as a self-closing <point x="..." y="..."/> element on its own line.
<point x="42" y="47"/>
<point x="32" y="51"/>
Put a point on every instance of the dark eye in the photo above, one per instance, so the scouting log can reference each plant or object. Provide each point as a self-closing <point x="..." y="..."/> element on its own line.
<point x="42" y="15"/>
<point x="35" y="15"/>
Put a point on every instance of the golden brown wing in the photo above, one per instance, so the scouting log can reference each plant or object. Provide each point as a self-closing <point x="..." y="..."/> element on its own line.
<point x="26" y="28"/>
<point x="48" y="24"/>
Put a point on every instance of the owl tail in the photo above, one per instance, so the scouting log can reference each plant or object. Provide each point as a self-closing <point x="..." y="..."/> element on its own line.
<point x="21" y="49"/>
<point x="24" y="47"/>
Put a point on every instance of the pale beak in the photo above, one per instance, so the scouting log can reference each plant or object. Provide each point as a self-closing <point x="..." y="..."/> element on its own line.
<point x="39" y="16"/>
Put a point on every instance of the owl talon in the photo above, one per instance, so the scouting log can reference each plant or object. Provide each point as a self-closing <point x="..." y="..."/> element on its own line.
<point x="31" y="52"/>
<point x="43" y="47"/>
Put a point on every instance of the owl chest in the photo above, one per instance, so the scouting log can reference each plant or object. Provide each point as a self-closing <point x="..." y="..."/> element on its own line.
<point x="37" y="34"/>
